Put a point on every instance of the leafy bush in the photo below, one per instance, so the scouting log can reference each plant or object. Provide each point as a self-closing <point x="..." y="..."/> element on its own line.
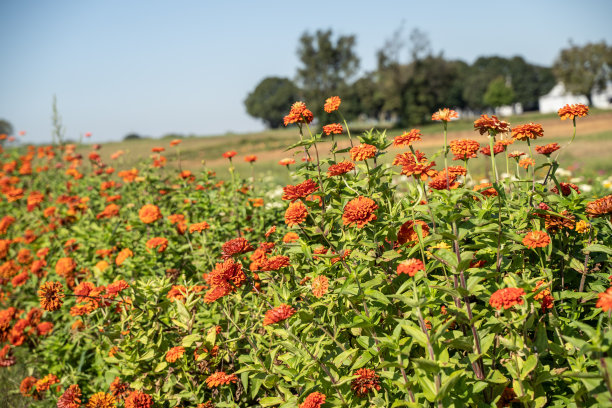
<point x="360" y="285"/>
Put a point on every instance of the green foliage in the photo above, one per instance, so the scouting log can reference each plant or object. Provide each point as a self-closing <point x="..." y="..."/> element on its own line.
<point x="585" y="69"/>
<point x="6" y="128"/>
<point x="498" y="93"/>
<point x="269" y="100"/>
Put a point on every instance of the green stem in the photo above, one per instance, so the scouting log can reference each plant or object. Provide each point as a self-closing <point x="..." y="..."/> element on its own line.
<point x="493" y="168"/>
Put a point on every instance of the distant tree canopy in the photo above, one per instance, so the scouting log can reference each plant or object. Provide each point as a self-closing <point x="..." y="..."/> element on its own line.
<point x="6" y="128"/>
<point x="132" y="136"/>
<point x="271" y="99"/>
<point x="498" y="93"/>
<point x="409" y="83"/>
<point x="326" y="66"/>
<point x="585" y="69"/>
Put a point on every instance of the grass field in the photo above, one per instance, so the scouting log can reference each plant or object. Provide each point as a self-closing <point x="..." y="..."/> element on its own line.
<point x="589" y="152"/>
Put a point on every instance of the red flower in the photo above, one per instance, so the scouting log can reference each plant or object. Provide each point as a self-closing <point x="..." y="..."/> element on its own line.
<point x="444" y="115"/>
<point x="220" y="378"/>
<point x="229" y="154"/>
<point x="51" y="295"/>
<point x="547" y="149"/>
<point x="340" y="168"/>
<point x="149" y="213"/>
<point x="278" y="314"/>
<point x="174" y="354"/>
<point x="158" y="242"/>
<point x="320" y="285"/>
<point x="507" y="298"/>
<point x="362" y="152"/>
<point x="71" y="398"/>
<point x="536" y="239"/>
<point x="407" y="138"/>
<point x="332" y="104"/>
<point x="313" y="400"/>
<point x="410" y="267"/>
<point x="250" y="158"/>
<point x="366" y="382"/>
<point x="566" y="189"/>
<point x="298" y="114"/>
<point x="605" y="300"/>
<point x="296" y="213"/>
<point x="301" y="190"/>
<point x="491" y="125"/>
<point x="236" y="246"/>
<point x="573" y="111"/>
<point x="138" y="399"/>
<point x="286" y="162"/>
<point x="334" y="128"/>
<point x="530" y="130"/>
<point x="408" y="232"/>
<point x="359" y="211"/>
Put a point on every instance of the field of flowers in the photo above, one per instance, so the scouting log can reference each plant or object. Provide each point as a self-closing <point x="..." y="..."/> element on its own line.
<point x="360" y="284"/>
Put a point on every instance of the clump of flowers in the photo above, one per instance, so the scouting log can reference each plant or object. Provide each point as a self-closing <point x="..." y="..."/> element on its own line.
<point x="366" y="382"/>
<point x="410" y="267"/>
<point x="573" y="111"/>
<point x="507" y="298"/>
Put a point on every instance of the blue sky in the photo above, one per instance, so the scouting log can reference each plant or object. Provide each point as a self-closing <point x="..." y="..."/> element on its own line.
<point x="155" y="67"/>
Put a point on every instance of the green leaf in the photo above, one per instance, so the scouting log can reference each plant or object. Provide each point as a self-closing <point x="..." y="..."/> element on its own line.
<point x="189" y="340"/>
<point x="598" y="248"/>
<point x="362" y="360"/>
<point x="270" y="401"/>
<point x="150" y="353"/>
<point x="529" y="366"/>
<point x="377" y="295"/>
<point x="343" y="357"/>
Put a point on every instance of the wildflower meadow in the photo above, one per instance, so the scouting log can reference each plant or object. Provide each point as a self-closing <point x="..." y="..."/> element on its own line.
<point x="363" y="284"/>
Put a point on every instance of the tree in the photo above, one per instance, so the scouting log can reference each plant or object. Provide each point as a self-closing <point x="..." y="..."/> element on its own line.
<point x="5" y="127"/>
<point x="499" y="93"/>
<point x="271" y="99"/>
<point x="326" y="68"/>
<point x="584" y="70"/>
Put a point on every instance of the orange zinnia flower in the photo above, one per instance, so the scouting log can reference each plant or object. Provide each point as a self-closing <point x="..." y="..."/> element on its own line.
<point x="278" y="314"/>
<point x="123" y="255"/>
<point x="199" y="227"/>
<point x="313" y="400"/>
<point x="536" y="239"/>
<point x="229" y="154"/>
<point x="526" y="162"/>
<point x="286" y="162"/>
<point x="175" y="142"/>
<point x="408" y="233"/>
<point x="362" y="152"/>
<point x="486" y="189"/>
<point x="101" y="400"/>
<point x="301" y="190"/>
<point x="250" y="158"/>
<point x="275" y="263"/>
<point x="298" y="114"/>
<point x="464" y="149"/>
<point x="236" y="246"/>
<point x="149" y="213"/>
<point x="174" y="354"/>
<point x="422" y="170"/>
<point x="444" y="115"/>
<point x="71" y="398"/>
<point x="332" y="104"/>
<point x="296" y="213"/>
<point x="605" y="300"/>
<point x="158" y="242"/>
<point x="547" y="149"/>
<point x="51" y="295"/>
<point x="220" y="378"/>
<point x="320" y="285"/>
<point x="359" y="211"/>
<point x="491" y="125"/>
<point x="290" y="237"/>
<point x="573" y="111"/>
<point x="138" y="399"/>
<point x="340" y="168"/>
<point x="65" y="266"/>
<point x="366" y="382"/>
<point x="334" y="128"/>
<point x="507" y="298"/>
<point x="158" y="149"/>
<point x="410" y="267"/>
<point x="407" y="138"/>
<point x="600" y="207"/>
<point x="530" y="130"/>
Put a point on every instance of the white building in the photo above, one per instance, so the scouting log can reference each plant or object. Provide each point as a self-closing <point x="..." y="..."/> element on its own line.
<point x="559" y="97"/>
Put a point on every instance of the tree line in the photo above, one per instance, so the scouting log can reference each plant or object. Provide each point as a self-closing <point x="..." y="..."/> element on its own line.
<point x="411" y="80"/>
